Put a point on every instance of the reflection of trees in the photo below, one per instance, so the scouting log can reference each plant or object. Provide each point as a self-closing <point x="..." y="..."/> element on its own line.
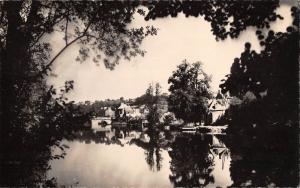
<point x="89" y="136"/>
<point x="153" y="148"/>
<point x="191" y="165"/>
<point x="260" y="159"/>
<point x="153" y="157"/>
<point x="153" y="151"/>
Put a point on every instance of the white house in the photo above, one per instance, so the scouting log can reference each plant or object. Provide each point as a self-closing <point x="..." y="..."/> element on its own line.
<point x="217" y="109"/>
<point x="124" y="109"/>
<point x="135" y="112"/>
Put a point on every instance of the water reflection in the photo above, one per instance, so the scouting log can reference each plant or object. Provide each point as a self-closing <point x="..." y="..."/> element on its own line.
<point x="172" y="159"/>
<point x="149" y="159"/>
<point x="156" y="158"/>
<point x="101" y="165"/>
<point x="152" y="150"/>
<point x="262" y="160"/>
<point x="198" y="160"/>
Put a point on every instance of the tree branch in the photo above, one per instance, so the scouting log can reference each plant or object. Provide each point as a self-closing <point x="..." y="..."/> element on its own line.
<point x="66" y="46"/>
<point x="42" y="33"/>
<point x="60" y="52"/>
<point x="66" y="29"/>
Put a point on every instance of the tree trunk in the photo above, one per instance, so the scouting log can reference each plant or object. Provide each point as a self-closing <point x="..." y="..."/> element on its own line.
<point x="12" y="56"/>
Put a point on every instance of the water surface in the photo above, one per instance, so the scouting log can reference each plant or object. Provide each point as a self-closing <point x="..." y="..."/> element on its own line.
<point x="185" y="160"/>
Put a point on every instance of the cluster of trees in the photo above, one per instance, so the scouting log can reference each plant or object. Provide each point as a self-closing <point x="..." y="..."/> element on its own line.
<point x="264" y="114"/>
<point x="151" y="98"/>
<point x="152" y="93"/>
<point x="268" y="79"/>
<point x="264" y="85"/>
<point x="97" y="108"/>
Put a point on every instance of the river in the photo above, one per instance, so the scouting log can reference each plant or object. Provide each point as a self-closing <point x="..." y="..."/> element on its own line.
<point x="169" y="160"/>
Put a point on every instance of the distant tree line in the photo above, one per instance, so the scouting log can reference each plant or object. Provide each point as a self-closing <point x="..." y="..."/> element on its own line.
<point x="96" y="108"/>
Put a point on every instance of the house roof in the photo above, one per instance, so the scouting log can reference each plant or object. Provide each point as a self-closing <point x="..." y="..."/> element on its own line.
<point x="122" y="106"/>
<point x="217" y="104"/>
<point x="125" y="107"/>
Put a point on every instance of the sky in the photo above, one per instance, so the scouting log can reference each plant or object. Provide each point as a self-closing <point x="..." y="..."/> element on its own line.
<point x="177" y="39"/>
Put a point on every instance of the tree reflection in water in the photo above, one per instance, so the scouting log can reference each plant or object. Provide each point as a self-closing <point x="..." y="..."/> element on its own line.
<point x="264" y="158"/>
<point x="153" y="151"/>
<point x="257" y="159"/>
<point x="153" y="156"/>
<point x="192" y="157"/>
<point x="153" y="147"/>
<point x="192" y="162"/>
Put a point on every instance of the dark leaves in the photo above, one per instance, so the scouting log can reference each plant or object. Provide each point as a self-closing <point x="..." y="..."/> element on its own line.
<point x="220" y="14"/>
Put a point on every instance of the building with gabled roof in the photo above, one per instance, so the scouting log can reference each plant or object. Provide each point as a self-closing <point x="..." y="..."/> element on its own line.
<point x="216" y="108"/>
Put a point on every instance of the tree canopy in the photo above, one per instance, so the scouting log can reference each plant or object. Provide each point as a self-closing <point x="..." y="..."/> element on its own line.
<point x="227" y="18"/>
<point x="189" y="92"/>
<point x="270" y="75"/>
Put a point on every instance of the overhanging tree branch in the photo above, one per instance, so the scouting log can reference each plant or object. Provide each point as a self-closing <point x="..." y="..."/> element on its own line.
<point x="66" y="29"/>
<point x="84" y="34"/>
<point x="60" y="52"/>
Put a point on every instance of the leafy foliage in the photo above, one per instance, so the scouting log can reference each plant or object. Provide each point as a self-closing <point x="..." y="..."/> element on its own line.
<point x="269" y="75"/>
<point x="264" y="128"/>
<point x="152" y="99"/>
<point x="227" y="18"/>
<point x="189" y="92"/>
